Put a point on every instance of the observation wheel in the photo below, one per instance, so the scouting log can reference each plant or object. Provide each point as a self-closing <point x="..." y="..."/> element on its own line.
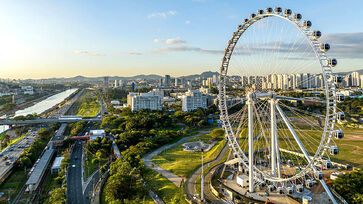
<point x="277" y="101"/>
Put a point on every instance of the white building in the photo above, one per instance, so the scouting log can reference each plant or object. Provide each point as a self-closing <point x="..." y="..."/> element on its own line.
<point x="139" y="101"/>
<point x="56" y="167"/>
<point x="193" y="99"/>
<point x="97" y="133"/>
<point x="27" y="90"/>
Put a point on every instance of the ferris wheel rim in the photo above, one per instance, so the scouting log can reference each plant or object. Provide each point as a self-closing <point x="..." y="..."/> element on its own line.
<point x="329" y="86"/>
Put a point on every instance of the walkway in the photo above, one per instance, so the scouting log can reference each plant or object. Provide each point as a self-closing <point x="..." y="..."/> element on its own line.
<point x="176" y="180"/>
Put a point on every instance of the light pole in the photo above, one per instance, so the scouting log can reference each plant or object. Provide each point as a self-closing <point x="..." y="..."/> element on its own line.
<point x="202" y="177"/>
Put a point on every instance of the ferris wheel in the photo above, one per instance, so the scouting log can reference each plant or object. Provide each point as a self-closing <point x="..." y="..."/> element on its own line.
<point x="277" y="101"/>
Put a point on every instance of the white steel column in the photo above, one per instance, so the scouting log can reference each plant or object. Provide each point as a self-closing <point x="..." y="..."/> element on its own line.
<point x="304" y="151"/>
<point x="273" y="137"/>
<point x="250" y="142"/>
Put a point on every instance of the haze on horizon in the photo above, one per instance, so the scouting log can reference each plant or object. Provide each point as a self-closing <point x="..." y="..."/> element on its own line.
<point x="41" y="39"/>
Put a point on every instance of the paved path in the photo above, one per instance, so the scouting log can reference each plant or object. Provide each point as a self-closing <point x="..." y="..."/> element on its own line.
<point x="169" y="175"/>
<point x="191" y="182"/>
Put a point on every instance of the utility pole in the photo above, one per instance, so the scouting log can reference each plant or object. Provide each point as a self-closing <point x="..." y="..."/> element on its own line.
<point x="202" y="177"/>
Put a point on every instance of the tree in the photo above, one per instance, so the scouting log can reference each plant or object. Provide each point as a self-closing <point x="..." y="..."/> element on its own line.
<point x="350" y="186"/>
<point x="58" y="196"/>
<point x="217" y="133"/>
<point x="44" y="133"/>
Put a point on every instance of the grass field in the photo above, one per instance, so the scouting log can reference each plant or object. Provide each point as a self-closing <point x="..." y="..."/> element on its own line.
<point x="184" y="163"/>
<point x="165" y="189"/>
<point x="87" y="105"/>
<point x="350" y="147"/>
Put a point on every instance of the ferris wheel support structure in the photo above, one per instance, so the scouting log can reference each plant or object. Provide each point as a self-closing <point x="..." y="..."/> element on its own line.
<point x="274" y="174"/>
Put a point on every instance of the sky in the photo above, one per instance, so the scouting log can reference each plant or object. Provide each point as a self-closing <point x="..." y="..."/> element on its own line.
<point x="43" y="39"/>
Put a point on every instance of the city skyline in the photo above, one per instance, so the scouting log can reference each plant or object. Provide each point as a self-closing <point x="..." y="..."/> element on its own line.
<point x="67" y="39"/>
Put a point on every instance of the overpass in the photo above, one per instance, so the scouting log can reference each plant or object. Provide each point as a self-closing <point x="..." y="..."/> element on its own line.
<point x="48" y="120"/>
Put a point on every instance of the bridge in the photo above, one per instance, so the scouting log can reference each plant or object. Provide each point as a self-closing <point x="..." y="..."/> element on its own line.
<point x="48" y="120"/>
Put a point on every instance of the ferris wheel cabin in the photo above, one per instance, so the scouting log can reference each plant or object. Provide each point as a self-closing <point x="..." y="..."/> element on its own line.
<point x="338" y="134"/>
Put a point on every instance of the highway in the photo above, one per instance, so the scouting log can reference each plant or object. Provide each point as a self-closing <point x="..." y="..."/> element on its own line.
<point x="13" y="152"/>
<point x="74" y="178"/>
<point x="48" y="120"/>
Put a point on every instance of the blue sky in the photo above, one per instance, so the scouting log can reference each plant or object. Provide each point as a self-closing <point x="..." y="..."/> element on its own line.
<point x="41" y="39"/>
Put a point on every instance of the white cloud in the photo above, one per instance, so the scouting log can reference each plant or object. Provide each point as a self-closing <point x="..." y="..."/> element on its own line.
<point x="170" y="41"/>
<point x="183" y="48"/>
<point x="87" y="53"/>
<point x="132" y="52"/>
<point x="162" y="14"/>
<point x="187" y="22"/>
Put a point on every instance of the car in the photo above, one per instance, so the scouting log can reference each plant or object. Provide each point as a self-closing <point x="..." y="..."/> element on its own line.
<point x="7" y="163"/>
<point x="75" y="157"/>
<point x="73" y="165"/>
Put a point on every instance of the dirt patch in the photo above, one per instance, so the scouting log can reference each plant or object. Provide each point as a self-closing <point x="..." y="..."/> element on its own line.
<point x="353" y="137"/>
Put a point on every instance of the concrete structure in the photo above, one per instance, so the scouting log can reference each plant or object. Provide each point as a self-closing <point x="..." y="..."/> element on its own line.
<point x="139" y="101"/>
<point x="193" y="99"/>
<point x="242" y="180"/>
<point x="38" y="171"/>
<point x="56" y="167"/>
<point x="96" y="133"/>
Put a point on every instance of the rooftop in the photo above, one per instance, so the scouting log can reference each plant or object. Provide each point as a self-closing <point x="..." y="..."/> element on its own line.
<point x="40" y="167"/>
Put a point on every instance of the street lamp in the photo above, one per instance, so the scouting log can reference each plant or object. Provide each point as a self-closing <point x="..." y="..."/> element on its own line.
<point x="202" y="177"/>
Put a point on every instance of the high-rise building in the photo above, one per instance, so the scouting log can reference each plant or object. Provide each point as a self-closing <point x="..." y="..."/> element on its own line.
<point x="139" y="101"/>
<point x="193" y="99"/>
<point x="361" y="81"/>
<point x="105" y="83"/>
<point x="355" y="79"/>
<point x="167" y="81"/>
<point x="116" y="84"/>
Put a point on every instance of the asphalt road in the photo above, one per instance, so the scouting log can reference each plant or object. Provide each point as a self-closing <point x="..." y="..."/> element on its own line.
<point x="13" y="152"/>
<point x="191" y="182"/>
<point x="74" y="179"/>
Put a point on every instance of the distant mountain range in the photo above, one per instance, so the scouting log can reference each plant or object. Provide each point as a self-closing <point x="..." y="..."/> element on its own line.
<point x="147" y="77"/>
<point x="137" y="77"/>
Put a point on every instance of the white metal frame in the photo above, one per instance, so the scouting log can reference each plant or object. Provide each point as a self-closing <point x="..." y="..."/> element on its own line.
<point x="330" y="118"/>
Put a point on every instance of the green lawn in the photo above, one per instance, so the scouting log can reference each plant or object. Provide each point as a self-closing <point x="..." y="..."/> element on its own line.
<point x="89" y="109"/>
<point x="184" y="163"/>
<point x="87" y="105"/>
<point x="165" y="189"/>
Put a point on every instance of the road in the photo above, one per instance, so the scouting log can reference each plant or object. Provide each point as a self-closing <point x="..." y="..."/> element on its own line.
<point x="13" y="152"/>
<point x="191" y="182"/>
<point x="48" y="120"/>
<point x="169" y="175"/>
<point x="74" y="179"/>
